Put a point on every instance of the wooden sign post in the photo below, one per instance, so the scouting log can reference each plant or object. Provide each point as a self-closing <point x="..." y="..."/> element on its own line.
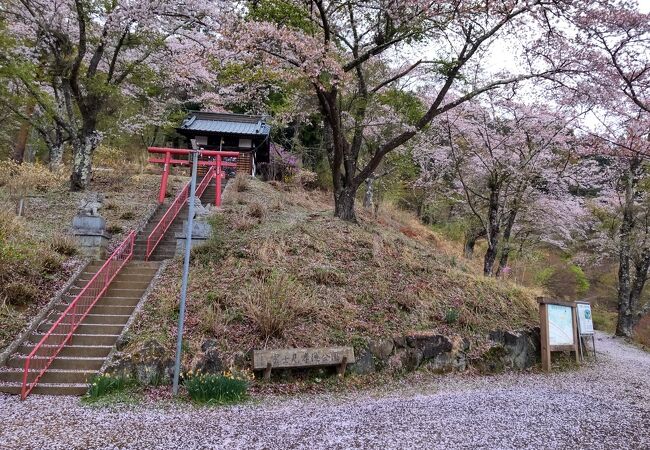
<point x="559" y="329"/>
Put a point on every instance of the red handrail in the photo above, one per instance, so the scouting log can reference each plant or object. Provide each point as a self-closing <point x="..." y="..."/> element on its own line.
<point x="159" y="230"/>
<point x="41" y="357"/>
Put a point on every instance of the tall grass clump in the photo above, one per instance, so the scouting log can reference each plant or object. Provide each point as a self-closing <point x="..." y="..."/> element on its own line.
<point x="241" y="183"/>
<point x="275" y="303"/>
<point x="218" y="389"/>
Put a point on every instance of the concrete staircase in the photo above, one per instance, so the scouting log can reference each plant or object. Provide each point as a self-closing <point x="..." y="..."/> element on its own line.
<point x="93" y="340"/>
<point x="167" y="246"/>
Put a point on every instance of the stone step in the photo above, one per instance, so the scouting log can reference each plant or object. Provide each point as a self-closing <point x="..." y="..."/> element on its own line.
<point x="63" y="363"/>
<point x="163" y="244"/>
<point x="92" y="318"/>
<point x="50" y="376"/>
<point x="47" y="389"/>
<point x="113" y="292"/>
<point x="127" y="276"/>
<point x="79" y="339"/>
<point x="116" y="300"/>
<point x="88" y="328"/>
<point x="95" y="265"/>
<point x="117" y="310"/>
<point x="71" y="351"/>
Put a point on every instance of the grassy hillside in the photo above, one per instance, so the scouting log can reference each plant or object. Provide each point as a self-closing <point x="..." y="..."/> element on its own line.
<point x="282" y="271"/>
<point x="37" y="252"/>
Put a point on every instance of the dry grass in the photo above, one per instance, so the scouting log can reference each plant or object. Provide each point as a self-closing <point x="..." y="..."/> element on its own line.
<point x="642" y="332"/>
<point x="383" y="277"/>
<point x="241" y="183"/>
<point x="275" y="303"/>
<point x="29" y="272"/>
<point x="257" y="210"/>
<point x="63" y="244"/>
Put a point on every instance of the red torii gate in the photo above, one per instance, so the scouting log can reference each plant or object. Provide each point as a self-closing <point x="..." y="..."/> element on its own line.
<point x="214" y="161"/>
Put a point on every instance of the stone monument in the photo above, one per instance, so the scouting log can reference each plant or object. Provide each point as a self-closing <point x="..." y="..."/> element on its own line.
<point x="201" y="228"/>
<point x="89" y="228"/>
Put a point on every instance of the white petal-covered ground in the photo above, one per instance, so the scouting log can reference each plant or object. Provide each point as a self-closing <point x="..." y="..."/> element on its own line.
<point x="606" y="406"/>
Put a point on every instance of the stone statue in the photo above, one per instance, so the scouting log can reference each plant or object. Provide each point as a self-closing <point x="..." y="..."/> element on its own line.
<point x="201" y="211"/>
<point x="91" y="205"/>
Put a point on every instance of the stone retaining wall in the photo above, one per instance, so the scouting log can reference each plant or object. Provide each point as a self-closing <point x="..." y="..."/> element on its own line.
<point x="516" y="350"/>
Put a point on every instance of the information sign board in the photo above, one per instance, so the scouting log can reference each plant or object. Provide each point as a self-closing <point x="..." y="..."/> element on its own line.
<point x="560" y="325"/>
<point x="585" y="321"/>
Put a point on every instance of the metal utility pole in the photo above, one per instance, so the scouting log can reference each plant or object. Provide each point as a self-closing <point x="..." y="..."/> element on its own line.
<point x="186" y="269"/>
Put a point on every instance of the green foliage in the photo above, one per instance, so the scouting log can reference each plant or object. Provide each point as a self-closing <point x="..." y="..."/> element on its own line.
<point x="451" y="316"/>
<point x="603" y="320"/>
<point x="543" y="276"/>
<point x="102" y="385"/>
<point x="215" y="249"/>
<point x="407" y="104"/>
<point x="217" y="389"/>
<point x="582" y="283"/>
<point x="283" y="13"/>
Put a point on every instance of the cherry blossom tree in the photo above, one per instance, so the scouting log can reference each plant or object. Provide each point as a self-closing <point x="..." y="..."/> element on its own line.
<point x="506" y="162"/>
<point x="612" y="45"/>
<point x="72" y="56"/>
<point x="351" y="52"/>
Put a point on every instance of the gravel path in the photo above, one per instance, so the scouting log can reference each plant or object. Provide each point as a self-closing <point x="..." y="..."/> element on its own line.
<point x="606" y="406"/>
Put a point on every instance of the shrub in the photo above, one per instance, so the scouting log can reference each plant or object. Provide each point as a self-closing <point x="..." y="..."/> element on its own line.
<point x="452" y="316"/>
<point x="101" y="385"/>
<point x="256" y="210"/>
<point x="129" y="215"/>
<point x="582" y="283"/>
<point x="327" y="276"/>
<point x="63" y="245"/>
<point x="114" y="229"/>
<point x="217" y="389"/>
<point x="20" y="294"/>
<point x="241" y="182"/>
<point x="50" y="262"/>
<point x="543" y="276"/>
<point x="275" y="303"/>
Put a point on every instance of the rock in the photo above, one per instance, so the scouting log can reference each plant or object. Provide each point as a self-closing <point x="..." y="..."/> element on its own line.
<point x="400" y="341"/>
<point x="149" y="365"/>
<point x="121" y="366"/>
<point x="209" y="344"/>
<point x="381" y="349"/>
<point x="448" y="362"/>
<point x="520" y="348"/>
<point x="492" y="361"/>
<point x="407" y="359"/>
<point x="430" y="345"/>
<point x="210" y="360"/>
<point x="365" y="363"/>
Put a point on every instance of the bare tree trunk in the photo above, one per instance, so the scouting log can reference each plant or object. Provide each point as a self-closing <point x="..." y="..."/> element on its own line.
<point x="56" y="157"/>
<point x="492" y="231"/>
<point x="505" y="247"/>
<point x="624" y="326"/>
<point x="368" y="198"/>
<point x="344" y="204"/>
<point x="83" y="149"/>
<point x="23" y="134"/>
<point x="471" y="236"/>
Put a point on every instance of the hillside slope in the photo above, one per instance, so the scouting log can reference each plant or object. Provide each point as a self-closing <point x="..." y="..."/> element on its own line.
<point x="281" y="271"/>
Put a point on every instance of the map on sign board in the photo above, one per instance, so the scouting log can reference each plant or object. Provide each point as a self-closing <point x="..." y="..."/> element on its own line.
<point x="585" y="322"/>
<point x="560" y="325"/>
